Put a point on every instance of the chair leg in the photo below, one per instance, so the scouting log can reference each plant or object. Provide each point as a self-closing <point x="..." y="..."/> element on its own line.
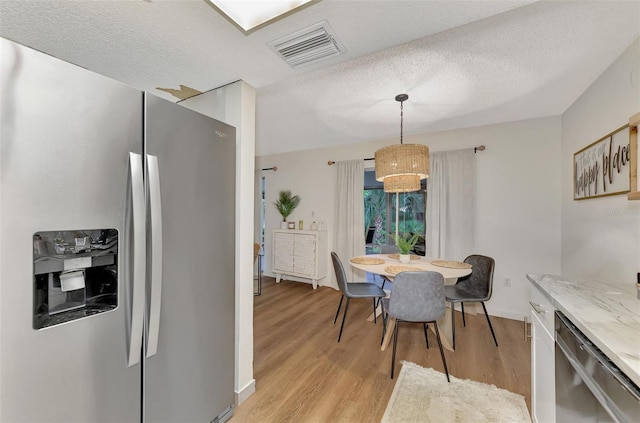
<point x="453" y="327"/>
<point x="444" y="361"/>
<point x="382" y="287"/>
<point x="384" y="322"/>
<point x="344" y="316"/>
<point x="338" y="310"/>
<point x="259" y="277"/>
<point x="375" y="315"/>
<point x="395" y="341"/>
<point x="464" y="322"/>
<point x="426" y="339"/>
<point x="489" y="321"/>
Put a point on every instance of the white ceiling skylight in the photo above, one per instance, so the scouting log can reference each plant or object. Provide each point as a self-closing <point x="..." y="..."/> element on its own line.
<point x="248" y="14"/>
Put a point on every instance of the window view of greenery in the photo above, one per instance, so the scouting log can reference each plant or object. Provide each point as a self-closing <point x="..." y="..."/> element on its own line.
<point x="380" y="212"/>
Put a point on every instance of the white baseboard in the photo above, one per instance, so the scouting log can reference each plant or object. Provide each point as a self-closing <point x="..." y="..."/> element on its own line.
<point x="245" y="392"/>
<point x="506" y="314"/>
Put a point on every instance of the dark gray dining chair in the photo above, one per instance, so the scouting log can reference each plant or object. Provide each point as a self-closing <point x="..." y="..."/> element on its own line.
<point x="417" y="297"/>
<point x="475" y="287"/>
<point x="368" y="241"/>
<point x="353" y="290"/>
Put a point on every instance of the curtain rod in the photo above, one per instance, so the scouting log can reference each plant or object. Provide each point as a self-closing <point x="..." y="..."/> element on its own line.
<point x="330" y="162"/>
<point x="274" y="168"/>
<point x="475" y="150"/>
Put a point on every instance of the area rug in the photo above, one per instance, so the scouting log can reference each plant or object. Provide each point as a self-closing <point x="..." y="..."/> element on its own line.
<point x="423" y="395"/>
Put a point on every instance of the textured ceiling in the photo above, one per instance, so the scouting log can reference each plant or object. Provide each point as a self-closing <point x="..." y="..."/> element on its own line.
<point x="463" y="63"/>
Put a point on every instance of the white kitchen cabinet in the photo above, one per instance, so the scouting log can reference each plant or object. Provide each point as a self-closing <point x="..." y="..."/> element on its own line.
<point x="543" y="388"/>
<point x="301" y="254"/>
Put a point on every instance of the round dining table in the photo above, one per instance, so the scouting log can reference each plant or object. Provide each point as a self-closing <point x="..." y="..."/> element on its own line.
<point x="450" y="270"/>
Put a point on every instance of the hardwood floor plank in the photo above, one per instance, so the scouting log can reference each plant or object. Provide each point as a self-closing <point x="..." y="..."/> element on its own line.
<point x="304" y="375"/>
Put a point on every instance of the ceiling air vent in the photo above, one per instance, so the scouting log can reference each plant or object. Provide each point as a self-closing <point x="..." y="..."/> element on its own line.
<point x="308" y="45"/>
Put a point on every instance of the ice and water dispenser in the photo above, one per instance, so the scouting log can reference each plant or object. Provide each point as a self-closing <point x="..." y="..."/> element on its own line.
<point x="75" y="275"/>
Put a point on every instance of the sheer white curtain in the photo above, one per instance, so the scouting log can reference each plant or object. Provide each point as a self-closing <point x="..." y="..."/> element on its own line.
<point x="348" y="234"/>
<point x="451" y="199"/>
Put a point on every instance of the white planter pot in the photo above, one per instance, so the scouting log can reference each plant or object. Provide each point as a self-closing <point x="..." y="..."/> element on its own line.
<point x="284" y="225"/>
<point x="405" y="258"/>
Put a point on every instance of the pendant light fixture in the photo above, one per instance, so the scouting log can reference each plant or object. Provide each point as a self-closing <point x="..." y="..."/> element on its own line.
<point x="401" y="166"/>
<point x="401" y="183"/>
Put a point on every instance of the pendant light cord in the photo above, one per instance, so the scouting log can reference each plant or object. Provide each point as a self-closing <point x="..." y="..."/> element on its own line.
<point x="401" y="98"/>
<point x="401" y="119"/>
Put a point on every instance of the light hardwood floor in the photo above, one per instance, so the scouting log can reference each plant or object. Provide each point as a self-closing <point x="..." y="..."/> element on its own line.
<point x="304" y="375"/>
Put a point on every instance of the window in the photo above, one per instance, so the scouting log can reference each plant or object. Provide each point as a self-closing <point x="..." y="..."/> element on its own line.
<point x="380" y="212"/>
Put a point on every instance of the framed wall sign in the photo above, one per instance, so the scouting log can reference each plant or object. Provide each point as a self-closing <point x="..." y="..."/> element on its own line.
<point x="602" y="168"/>
<point x="634" y="189"/>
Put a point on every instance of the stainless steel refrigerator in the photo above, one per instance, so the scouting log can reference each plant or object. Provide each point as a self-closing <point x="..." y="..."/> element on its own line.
<point x="117" y="250"/>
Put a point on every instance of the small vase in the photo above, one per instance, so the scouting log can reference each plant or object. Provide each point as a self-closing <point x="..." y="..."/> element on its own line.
<point x="405" y="258"/>
<point x="284" y="225"/>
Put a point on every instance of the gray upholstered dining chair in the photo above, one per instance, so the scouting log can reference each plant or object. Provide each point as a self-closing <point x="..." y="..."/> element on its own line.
<point x="417" y="297"/>
<point x="353" y="290"/>
<point x="387" y="249"/>
<point x="475" y="287"/>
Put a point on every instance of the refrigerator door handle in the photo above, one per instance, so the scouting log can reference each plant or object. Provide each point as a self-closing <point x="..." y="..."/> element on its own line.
<point x="155" y="211"/>
<point x="138" y="261"/>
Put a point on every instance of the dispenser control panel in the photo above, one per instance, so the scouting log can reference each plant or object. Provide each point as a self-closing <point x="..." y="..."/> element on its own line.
<point x="75" y="275"/>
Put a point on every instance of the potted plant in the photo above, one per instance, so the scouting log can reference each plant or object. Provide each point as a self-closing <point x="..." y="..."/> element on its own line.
<point x="285" y="205"/>
<point x="405" y="245"/>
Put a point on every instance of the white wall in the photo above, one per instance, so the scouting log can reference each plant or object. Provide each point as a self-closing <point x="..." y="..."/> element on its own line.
<point x="235" y="104"/>
<point x="601" y="236"/>
<point x="517" y="204"/>
<point x="518" y="197"/>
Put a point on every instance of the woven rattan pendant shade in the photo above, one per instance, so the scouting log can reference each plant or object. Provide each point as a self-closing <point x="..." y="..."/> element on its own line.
<point x="401" y="166"/>
<point x="402" y="183"/>
<point x="402" y="159"/>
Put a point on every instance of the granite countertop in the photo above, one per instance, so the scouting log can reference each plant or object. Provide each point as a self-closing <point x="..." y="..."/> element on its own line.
<point x="608" y="314"/>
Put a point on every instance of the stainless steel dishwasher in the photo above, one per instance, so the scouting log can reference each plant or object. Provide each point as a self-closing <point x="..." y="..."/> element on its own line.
<point x="589" y="387"/>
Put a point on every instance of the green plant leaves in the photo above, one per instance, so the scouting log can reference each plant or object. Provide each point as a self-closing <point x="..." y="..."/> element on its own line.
<point x="405" y="244"/>
<point x="286" y="203"/>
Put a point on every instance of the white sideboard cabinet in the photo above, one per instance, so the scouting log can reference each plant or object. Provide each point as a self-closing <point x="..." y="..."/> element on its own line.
<point x="300" y="253"/>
